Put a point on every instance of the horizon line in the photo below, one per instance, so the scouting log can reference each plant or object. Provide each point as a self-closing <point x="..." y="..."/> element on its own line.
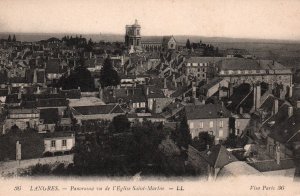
<point x="156" y="35"/>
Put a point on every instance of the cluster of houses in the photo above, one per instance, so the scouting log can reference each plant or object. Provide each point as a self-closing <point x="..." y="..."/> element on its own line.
<point x="233" y="95"/>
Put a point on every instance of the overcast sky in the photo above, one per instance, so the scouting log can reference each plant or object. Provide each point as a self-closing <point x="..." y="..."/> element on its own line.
<point x="268" y="19"/>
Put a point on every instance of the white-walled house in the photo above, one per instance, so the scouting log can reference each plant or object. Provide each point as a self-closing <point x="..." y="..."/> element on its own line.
<point x="59" y="142"/>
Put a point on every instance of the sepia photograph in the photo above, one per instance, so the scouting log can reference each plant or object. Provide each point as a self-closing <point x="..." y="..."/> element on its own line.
<point x="153" y="97"/>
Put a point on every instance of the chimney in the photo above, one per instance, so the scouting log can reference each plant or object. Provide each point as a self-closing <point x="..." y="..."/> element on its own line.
<point x="100" y="93"/>
<point x="194" y="91"/>
<point x="174" y="80"/>
<point x="275" y="106"/>
<point x="290" y="111"/>
<point x="18" y="151"/>
<point x="257" y="94"/>
<point x="165" y="82"/>
<point x="277" y="154"/>
<point x="298" y="104"/>
<point x="114" y="93"/>
<point x="9" y="89"/>
<point x="35" y="76"/>
<point x="20" y="95"/>
<point x="154" y="106"/>
<point x="241" y="110"/>
<point x="230" y="89"/>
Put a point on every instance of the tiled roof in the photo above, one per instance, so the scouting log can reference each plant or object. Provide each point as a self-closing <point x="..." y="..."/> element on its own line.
<point x="53" y="66"/>
<point x="50" y="115"/>
<point x="12" y="98"/>
<point x="249" y="64"/>
<point x="203" y="59"/>
<point x="58" y="134"/>
<point x="154" y="92"/>
<point x="209" y="111"/>
<point x="271" y="165"/>
<point x="99" y="109"/>
<point x="217" y="156"/>
<point x="287" y="131"/>
<point x="40" y="76"/>
<point x="212" y="83"/>
<point x="56" y="102"/>
<point x="3" y="92"/>
<point x="22" y="111"/>
<point x="238" y="64"/>
<point x="134" y="95"/>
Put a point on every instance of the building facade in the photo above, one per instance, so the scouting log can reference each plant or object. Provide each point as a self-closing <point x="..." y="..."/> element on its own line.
<point x="133" y="35"/>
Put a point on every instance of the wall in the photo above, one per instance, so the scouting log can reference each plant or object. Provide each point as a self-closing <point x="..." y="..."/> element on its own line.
<point x="58" y="144"/>
<point x="195" y="127"/>
<point x="13" y="166"/>
<point x="96" y="116"/>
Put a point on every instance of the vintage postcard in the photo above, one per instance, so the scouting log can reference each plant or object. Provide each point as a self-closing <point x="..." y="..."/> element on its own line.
<point x="154" y="97"/>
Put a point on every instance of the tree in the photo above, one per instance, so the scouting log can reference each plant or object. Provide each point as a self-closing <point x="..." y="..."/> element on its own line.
<point x="81" y="77"/>
<point x="203" y="140"/>
<point x="120" y="124"/>
<point x="188" y="44"/>
<point x="9" y="38"/>
<point x="14" y="38"/>
<point x="182" y="135"/>
<point x="108" y="76"/>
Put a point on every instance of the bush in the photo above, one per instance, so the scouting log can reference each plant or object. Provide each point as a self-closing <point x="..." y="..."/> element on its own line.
<point x="40" y="170"/>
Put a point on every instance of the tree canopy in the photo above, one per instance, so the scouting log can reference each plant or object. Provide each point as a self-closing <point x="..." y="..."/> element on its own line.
<point x="188" y="44"/>
<point x="108" y="75"/>
<point x="81" y="77"/>
<point x="182" y="135"/>
<point x="120" y="124"/>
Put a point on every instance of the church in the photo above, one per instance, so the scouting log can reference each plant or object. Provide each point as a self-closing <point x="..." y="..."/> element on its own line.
<point x="134" y="43"/>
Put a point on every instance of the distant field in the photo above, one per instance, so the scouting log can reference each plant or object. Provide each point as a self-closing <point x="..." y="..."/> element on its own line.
<point x="283" y="51"/>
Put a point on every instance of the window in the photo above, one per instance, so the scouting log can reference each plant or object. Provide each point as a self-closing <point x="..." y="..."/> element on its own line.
<point x="64" y="143"/>
<point x="191" y="125"/>
<point x="201" y="125"/>
<point x="53" y="143"/>
<point x="221" y="124"/>
<point x="238" y="124"/>
<point x="211" y="124"/>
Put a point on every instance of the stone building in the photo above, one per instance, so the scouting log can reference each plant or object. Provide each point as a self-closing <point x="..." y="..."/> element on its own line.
<point x="211" y="118"/>
<point x="133" y="35"/>
<point x="238" y="70"/>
